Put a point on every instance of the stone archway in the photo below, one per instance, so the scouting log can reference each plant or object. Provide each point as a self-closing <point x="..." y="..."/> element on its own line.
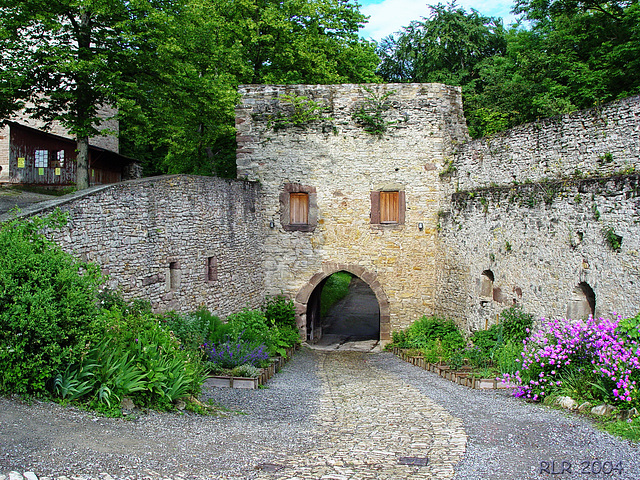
<point x="305" y="295"/>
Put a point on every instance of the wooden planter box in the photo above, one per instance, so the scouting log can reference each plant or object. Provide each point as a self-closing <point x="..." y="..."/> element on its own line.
<point x="244" y="382"/>
<point x="251" y="382"/>
<point x="461" y="377"/>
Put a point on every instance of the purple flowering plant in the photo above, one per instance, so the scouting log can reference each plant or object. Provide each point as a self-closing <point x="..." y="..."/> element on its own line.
<point x="235" y="352"/>
<point x="602" y="354"/>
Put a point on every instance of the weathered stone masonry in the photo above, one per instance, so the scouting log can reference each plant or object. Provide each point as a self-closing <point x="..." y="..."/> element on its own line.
<point x="526" y="217"/>
<point x="531" y="209"/>
<point x="155" y="237"/>
<point x="344" y="164"/>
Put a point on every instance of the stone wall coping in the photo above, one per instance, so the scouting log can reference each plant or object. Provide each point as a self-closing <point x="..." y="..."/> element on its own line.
<point x="74" y="196"/>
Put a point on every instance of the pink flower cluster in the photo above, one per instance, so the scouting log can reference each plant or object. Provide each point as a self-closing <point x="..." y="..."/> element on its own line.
<point x="562" y="346"/>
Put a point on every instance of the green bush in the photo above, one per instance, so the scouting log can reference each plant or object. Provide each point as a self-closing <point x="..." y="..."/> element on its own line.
<point x="488" y="340"/>
<point x="502" y="343"/>
<point x="194" y="329"/>
<point x="279" y="311"/>
<point x="421" y="332"/>
<point x="251" y="325"/>
<point x="136" y="357"/>
<point x="335" y="289"/>
<point x="629" y="328"/>
<point x="515" y="323"/>
<point x="47" y="304"/>
<point x="436" y="337"/>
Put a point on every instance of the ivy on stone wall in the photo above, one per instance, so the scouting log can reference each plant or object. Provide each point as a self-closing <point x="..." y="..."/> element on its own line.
<point x="297" y="111"/>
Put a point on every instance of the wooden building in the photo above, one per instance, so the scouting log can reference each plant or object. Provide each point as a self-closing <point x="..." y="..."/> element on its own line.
<point x="33" y="157"/>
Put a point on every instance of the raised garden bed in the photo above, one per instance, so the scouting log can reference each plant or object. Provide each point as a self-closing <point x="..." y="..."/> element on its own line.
<point x="251" y="383"/>
<point x="462" y="377"/>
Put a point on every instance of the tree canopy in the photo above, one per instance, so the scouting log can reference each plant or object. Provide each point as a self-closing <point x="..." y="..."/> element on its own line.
<point x="181" y="119"/>
<point x="172" y="68"/>
<point x="572" y="54"/>
<point x="64" y="60"/>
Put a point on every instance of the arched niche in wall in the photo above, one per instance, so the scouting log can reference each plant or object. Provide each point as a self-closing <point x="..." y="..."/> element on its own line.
<point x="486" y="285"/>
<point x="582" y="303"/>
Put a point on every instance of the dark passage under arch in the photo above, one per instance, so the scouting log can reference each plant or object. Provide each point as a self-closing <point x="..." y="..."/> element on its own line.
<point x="356" y="317"/>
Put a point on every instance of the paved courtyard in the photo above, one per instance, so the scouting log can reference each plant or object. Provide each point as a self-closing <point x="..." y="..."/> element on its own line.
<point x="327" y="415"/>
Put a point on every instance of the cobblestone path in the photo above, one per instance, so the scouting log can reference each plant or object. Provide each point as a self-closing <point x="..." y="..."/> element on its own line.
<point x="369" y="421"/>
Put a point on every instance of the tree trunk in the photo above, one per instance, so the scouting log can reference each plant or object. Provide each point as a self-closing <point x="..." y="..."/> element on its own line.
<point x="82" y="163"/>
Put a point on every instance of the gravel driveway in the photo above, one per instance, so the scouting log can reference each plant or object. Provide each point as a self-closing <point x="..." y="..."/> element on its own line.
<point x="331" y="415"/>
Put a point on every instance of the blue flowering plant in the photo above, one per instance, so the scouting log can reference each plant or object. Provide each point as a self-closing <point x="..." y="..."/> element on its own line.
<point x="235" y="351"/>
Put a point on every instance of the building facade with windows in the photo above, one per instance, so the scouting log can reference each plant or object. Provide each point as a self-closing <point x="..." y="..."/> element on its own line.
<point x="33" y="154"/>
<point x="337" y="197"/>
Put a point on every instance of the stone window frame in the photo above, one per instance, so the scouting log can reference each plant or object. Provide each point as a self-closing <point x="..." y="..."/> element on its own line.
<point x="583" y="294"/>
<point x="285" y="208"/>
<point x="375" y="207"/>
<point x="211" y="269"/>
<point x="174" y="275"/>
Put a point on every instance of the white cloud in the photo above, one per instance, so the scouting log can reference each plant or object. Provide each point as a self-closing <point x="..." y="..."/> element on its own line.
<point x="390" y="16"/>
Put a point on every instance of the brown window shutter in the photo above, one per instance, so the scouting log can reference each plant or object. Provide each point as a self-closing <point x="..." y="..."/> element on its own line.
<point x="375" y="207"/>
<point x="389" y="207"/>
<point x="299" y="203"/>
<point x="402" y="206"/>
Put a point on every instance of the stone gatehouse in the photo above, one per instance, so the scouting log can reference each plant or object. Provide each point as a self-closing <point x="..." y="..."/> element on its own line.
<point x="372" y="201"/>
<point x="382" y="181"/>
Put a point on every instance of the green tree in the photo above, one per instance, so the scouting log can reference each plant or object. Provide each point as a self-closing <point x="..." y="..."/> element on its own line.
<point x="447" y="47"/>
<point x="181" y="119"/>
<point x="65" y="59"/>
<point x="592" y="48"/>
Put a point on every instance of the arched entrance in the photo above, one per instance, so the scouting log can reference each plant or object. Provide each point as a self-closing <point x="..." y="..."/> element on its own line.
<point x="308" y="300"/>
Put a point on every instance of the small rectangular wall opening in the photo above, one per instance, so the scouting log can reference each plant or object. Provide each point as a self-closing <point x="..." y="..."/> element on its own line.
<point x="174" y="276"/>
<point x="212" y="269"/>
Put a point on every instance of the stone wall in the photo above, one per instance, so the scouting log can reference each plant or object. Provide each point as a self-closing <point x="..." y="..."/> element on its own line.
<point x="599" y="141"/>
<point x="154" y="238"/>
<point x="339" y="164"/>
<point x="535" y="208"/>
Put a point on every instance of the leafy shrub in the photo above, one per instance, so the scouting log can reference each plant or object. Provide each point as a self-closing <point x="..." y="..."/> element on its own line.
<point x="47" y="304"/>
<point x="515" y="323"/>
<point x="279" y="311"/>
<point x="421" y="332"/>
<point x="194" y="329"/>
<point x="488" y="340"/>
<point x="136" y="357"/>
<point x="254" y="329"/>
<point x="469" y="355"/>
<point x="435" y="352"/>
<point x="506" y="357"/>
<point x="246" y="370"/>
<point x="590" y="351"/>
<point x="629" y="328"/>
<point x="436" y="337"/>
<point x="502" y="343"/>
<point x="251" y="325"/>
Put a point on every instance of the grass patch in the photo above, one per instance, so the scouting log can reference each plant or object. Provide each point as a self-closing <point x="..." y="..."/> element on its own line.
<point x="629" y="429"/>
<point x="334" y="290"/>
<point x="53" y="191"/>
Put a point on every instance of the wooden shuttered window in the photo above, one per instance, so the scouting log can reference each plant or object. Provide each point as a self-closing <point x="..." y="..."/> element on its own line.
<point x="299" y="208"/>
<point x="387" y="207"/>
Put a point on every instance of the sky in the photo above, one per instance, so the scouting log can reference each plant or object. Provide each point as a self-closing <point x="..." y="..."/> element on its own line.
<point x="389" y="16"/>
